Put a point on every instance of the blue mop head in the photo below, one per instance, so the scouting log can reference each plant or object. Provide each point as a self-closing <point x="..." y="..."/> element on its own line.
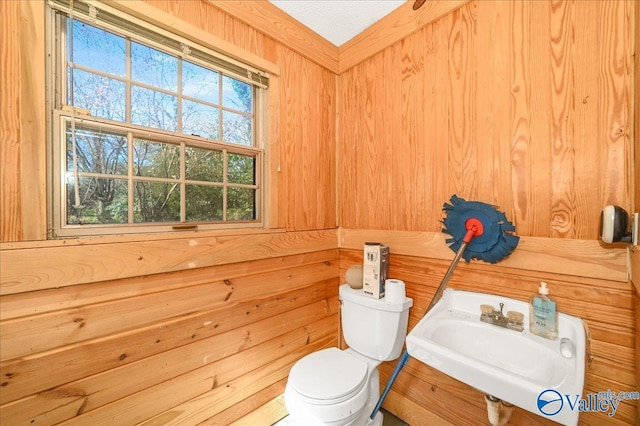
<point x="494" y="244"/>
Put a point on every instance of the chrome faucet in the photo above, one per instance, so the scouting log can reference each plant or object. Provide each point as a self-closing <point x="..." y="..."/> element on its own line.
<point x="513" y="321"/>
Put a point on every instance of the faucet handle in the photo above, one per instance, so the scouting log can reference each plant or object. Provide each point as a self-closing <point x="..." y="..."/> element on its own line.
<point x="487" y="309"/>
<point x="515" y="320"/>
<point x="515" y="317"/>
<point x="501" y="307"/>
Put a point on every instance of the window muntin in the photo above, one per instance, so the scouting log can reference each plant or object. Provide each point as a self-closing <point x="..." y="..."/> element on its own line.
<point x="133" y="177"/>
<point x="161" y="90"/>
<point x="199" y="162"/>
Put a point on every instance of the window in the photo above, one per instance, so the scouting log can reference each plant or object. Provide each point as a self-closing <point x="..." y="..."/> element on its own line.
<point x="149" y="133"/>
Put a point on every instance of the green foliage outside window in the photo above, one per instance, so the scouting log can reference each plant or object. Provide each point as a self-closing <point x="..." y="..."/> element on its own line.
<point x="188" y="172"/>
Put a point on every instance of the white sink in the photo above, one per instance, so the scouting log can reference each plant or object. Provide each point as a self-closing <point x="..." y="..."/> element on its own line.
<point x="517" y="367"/>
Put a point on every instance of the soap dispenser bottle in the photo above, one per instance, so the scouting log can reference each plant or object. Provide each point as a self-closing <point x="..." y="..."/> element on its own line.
<point x="543" y="314"/>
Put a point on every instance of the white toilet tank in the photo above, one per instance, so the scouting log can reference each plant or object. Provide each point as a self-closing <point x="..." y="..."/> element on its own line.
<point x="373" y="327"/>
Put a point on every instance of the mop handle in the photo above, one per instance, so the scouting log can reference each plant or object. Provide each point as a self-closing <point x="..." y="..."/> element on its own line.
<point x="445" y="279"/>
<point x="474" y="229"/>
<point x="405" y="355"/>
<point x="403" y="360"/>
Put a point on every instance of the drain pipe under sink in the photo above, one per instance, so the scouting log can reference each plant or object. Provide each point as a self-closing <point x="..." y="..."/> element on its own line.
<point x="498" y="411"/>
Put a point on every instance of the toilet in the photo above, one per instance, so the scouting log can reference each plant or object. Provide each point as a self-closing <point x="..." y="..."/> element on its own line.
<point x="342" y="387"/>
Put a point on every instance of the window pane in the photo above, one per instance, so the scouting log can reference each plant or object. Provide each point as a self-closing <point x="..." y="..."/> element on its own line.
<point x="204" y="202"/>
<point x="236" y="94"/>
<point x="100" y="201"/>
<point x="97" y="152"/>
<point x="104" y="97"/>
<point x="156" y="202"/>
<point x="241" y="169"/>
<point x="152" y="67"/>
<point x="154" y="109"/>
<point x="157" y="148"/>
<point x="236" y="128"/>
<point x="241" y="204"/>
<point x="97" y="49"/>
<point x="203" y="164"/>
<point x="200" y="83"/>
<point x="200" y="120"/>
<point x="155" y="159"/>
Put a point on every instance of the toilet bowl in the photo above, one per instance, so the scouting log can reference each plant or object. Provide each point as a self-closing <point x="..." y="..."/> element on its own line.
<point x="341" y="387"/>
<point x="333" y="387"/>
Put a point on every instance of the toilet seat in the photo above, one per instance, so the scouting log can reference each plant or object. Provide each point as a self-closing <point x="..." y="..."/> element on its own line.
<point x="329" y="376"/>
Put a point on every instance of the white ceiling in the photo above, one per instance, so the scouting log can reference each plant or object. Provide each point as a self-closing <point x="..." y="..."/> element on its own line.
<point x="337" y="20"/>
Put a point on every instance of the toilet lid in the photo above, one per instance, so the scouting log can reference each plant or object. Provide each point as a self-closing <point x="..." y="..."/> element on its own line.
<point x="328" y="374"/>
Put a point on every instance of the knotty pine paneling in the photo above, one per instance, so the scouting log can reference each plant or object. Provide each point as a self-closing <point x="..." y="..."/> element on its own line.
<point x="281" y="27"/>
<point x="195" y="343"/>
<point x="23" y="336"/>
<point x="606" y="306"/>
<point x="634" y="255"/>
<point x="524" y="105"/>
<point x="62" y="263"/>
<point x="398" y="24"/>
<point x="206" y="325"/>
<point x="22" y="196"/>
<point x="580" y="258"/>
<point x="307" y="159"/>
<point x="305" y="119"/>
<point x="637" y="350"/>
<point x="10" y="228"/>
<point x="301" y="117"/>
<point x="234" y="37"/>
<point x="520" y="104"/>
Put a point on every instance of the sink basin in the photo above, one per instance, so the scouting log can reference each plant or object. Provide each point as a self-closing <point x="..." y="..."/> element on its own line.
<point x="515" y="366"/>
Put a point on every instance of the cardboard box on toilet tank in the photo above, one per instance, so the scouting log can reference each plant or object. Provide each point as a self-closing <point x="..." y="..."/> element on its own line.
<point x="375" y="269"/>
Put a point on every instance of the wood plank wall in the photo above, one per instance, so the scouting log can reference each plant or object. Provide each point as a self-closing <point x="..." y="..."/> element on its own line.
<point x="172" y="348"/>
<point x="187" y="328"/>
<point x="634" y="255"/>
<point x="520" y="104"/>
<point x="422" y="395"/>
<point x="303" y="128"/>
<point x="524" y="105"/>
<point x="605" y="303"/>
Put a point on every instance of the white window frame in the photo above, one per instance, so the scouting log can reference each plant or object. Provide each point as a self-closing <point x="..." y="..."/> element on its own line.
<point x="59" y="114"/>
